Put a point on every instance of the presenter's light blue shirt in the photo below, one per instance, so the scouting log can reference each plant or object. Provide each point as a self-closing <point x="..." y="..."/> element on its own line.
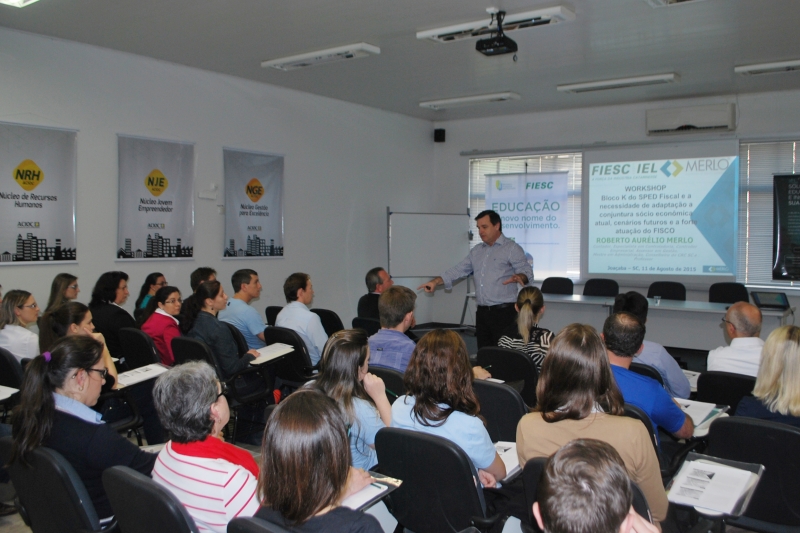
<point x="491" y="266"/>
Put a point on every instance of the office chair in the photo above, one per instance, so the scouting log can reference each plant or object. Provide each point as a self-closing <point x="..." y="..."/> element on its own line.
<point x="647" y="371"/>
<point x="392" y="379"/>
<point x="138" y="348"/>
<point x="502" y="407"/>
<point x="143" y="506"/>
<point x="728" y="293"/>
<point x="295" y="368"/>
<point x="331" y="322"/>
<point x="668" y="290"/>
<point x="601" y="287"/>
<point x="370" y="325"/>
<point x="271" y="312"/>
<point x="511" y="366"/>
<point x="556" y="285"/>
<point x="51" y="497"/>
<point x="440" y="490"/>
<point x="775" y="505"/>
<point x="724" y="388"/>
<point x="10" y="376"/>
<point x="253" y="525"/>
<point x="241" y="343"/>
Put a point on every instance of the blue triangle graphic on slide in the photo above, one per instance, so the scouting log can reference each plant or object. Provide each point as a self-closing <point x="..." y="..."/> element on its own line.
<point x="715" y="216"/>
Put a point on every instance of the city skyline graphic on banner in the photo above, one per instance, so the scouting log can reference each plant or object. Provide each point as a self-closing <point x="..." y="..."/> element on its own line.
<point x="256" y="247"/>
<point x="31" y="248"/>
<point x="156" y="247"/>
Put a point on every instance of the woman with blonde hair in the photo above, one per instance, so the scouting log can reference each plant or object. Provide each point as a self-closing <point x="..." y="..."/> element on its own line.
<point x="525" y="335"/>
<point x="18" y="311"/>
<point x="64" y="289"/>
<point x="776" y="396"/>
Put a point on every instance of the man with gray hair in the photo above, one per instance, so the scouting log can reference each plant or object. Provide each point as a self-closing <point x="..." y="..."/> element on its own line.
<point x="743" y="356"/>
<point x="378" y="281"/>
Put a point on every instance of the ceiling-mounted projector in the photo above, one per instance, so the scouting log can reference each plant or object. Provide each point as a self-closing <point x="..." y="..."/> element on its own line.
<point x="497" y="44"/>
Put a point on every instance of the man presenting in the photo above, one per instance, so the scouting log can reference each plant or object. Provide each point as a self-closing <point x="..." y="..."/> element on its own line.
<point x="498" y="265"/>
<point x="378" y="281"/>
<point x="743" y="356"/>
<point x="238" y="312"/>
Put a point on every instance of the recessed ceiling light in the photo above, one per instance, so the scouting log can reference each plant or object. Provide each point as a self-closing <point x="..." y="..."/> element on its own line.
<point x="18" y="3"/>
<point x="768" y="68"/>
<point x="469" y="100"/>
<point x="322" y="57"/>
<point x="619" y="83"/>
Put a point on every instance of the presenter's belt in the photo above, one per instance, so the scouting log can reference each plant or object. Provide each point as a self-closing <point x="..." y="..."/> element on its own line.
<point x="496" y="307"/>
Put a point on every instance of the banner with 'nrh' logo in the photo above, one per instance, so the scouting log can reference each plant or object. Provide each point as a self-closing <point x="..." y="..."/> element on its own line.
<point x="253" y="204"/>
<point x="37" y="194"/>
<point x="156" y="202"/>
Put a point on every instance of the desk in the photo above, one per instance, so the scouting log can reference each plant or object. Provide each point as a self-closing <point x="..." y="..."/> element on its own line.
<point x="561" y="310"/>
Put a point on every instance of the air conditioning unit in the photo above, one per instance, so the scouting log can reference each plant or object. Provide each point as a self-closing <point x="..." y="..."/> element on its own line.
<point x="696" y="119"/>
<point x="512" y="22"/>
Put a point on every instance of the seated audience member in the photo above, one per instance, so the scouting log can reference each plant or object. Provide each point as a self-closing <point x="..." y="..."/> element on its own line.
<point x="525" y="335"/>
<point x="153" y="282"/>
<point x="743" y="326"/>
<point x="239" y="313"/>
<point x="18" y="312"/>
<point x="200" y="322"/>
<point x="776" y="396"/>
<point x="344" y="377"/>
<point x="307" y="432"/>
<point x="623" y="334"/>
<point x="390" y="347"/>
<point x="299" y="294"/>
<point x="653" y="354"/>
<point x="197" y="278"/>
<point x="160" y="321"/>
<point x="440" y="401"/>
<point x="58" y="390"/>
<point x="109" y="294"/>
<point x="64" y="288"/>
<point x="378" y="281"/>
<point x="578" y="398"/>
<point x="585" y="488"/>
<point x="216" y="481"/>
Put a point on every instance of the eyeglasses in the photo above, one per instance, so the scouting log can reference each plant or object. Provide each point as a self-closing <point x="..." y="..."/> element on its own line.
<point x="103" y="373"/>
<point x="223" y="388"/>
<point x="162" y="284"/>
<point x="73" y="287"/>
<point x="729" y="322"/>
<point x="174" y="300"/>
<point x="34" y="305"/>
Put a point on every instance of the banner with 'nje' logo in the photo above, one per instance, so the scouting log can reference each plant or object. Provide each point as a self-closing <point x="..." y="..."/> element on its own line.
<point x="156" y="202"/>
<point x="37" y="194"/>
<point x="253" y="204"/>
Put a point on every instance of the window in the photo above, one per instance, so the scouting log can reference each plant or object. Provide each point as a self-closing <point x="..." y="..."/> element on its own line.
<point x="569" y="162"/>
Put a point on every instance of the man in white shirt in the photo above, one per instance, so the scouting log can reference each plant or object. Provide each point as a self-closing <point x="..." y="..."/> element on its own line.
<point x="299" y="294"/>
<point x="743" y="356"/>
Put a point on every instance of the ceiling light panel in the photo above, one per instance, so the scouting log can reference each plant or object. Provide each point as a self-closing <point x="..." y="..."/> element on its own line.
<point x="619" y="83"/>
<point x="322" y="57"/>
<point x="469" y="100"/>
<point x="768" y="68"/>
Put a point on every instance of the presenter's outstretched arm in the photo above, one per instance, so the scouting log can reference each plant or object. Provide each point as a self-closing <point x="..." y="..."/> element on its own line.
<point x="522" y="279"/>
<point x="431" y="285"/>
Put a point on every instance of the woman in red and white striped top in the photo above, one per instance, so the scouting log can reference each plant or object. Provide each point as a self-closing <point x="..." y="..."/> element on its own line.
<point x="215" y="481"/>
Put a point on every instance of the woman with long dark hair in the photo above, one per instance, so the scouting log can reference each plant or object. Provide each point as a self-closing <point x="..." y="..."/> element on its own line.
<point x="57" y="392"/>
<point x="306" y="471"/>
<point x="577" y="397"/>
<point x="109" y="294"/>
<point x="440" y="401"/>
<point x="344" y="376"/>
<point x="64" y="289"/>
<point x="153" y="282"/>
<point x="160" y="321"/>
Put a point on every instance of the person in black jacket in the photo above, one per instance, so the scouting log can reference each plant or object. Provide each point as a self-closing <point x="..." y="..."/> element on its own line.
<point x="109" y="294"/>
<point x="57" y="393"/>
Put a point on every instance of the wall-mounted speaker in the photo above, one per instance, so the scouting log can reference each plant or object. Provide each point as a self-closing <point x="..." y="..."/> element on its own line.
<point x="438" y="135"/>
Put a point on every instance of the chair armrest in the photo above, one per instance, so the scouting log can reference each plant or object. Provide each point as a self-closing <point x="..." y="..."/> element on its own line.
<point x="491" y="523"/>
<point x="231" y="383"/>
<point x="693" y="445"/>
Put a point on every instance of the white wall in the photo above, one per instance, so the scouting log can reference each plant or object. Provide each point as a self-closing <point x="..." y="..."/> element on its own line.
<point x="343" y="163"/>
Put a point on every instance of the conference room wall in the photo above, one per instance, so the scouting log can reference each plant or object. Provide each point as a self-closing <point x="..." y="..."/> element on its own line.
<point x="344" y="164"/>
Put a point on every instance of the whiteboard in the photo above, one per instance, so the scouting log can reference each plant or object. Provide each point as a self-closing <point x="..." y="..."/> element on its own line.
<point x="426" y="244"/>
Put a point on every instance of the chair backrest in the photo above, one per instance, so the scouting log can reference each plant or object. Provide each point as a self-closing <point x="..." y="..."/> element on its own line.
<point x="331" y="322"/>
<point x="438" y="493"/>
<point x="502" y="407"/>
<point x="728" y="293"/>
<point x="143" y="506"/>
<point x="556" y="285"/>
<point x="510" y="366"/>
<point x="392" y="379"/>
<point x="295" y="367"/>
<point x="10" y="370"/>
<point x="770" y="444"/>
<point x="600" y="287"/>
<point x="635" y="412"/>
<point x="668" y="290"/>
<point x="272" y="313"/>
<point x="52" y="496"/>
<point x="253" y="525"/>
<point x="724" y="388"/>
<point x="647" y="371"/>
<point x="241" y="343"/>
<point x="138" y="348"/>
<point x="370" y="325"/>
<point x="187" y="349"/>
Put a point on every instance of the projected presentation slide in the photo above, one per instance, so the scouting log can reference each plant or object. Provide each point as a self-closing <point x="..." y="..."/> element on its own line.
<point x="670" y="217"/>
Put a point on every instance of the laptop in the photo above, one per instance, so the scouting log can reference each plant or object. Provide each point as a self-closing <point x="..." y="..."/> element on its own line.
<point x="770" y="300"/>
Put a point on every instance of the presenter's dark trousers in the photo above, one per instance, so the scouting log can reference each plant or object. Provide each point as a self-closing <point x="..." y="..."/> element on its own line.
<point x="491" y="321"/>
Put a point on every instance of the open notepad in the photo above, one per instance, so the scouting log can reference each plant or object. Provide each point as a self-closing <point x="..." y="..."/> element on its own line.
<point x="716" y="485"/>
<point x="271" y="352"/>
<point x="508" y="453"/>
<point x="372" y="493"/>
<point x="137" y="375"/>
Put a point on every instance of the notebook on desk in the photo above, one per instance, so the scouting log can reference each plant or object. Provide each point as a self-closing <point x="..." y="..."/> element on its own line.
<point x="271" y="352"/>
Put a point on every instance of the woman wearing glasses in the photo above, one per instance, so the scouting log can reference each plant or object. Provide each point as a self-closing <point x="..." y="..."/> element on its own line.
<point x="160" y="321"/>
<point x="57" y="392"/>
<point x="64" y="289"/>
<point x="18" y="311"/>
<point x="152" y="283"/>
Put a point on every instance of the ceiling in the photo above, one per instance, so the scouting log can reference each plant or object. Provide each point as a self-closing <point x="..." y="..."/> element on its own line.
<point x="701" y="41"/>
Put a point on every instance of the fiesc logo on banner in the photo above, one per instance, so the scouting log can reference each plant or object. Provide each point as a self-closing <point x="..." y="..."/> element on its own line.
<point x="28" y="175"/>
<point x="156" y="182"/>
